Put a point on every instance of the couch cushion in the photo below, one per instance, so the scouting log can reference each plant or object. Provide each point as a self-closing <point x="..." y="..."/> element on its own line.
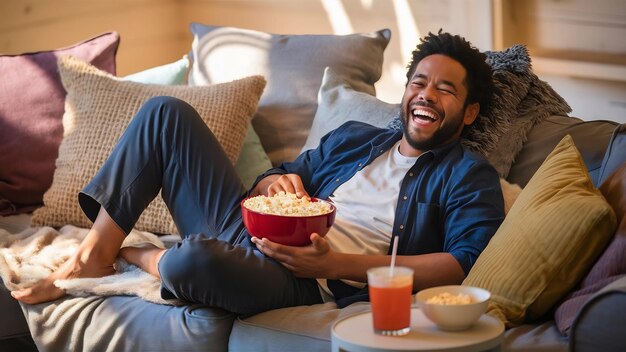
<point x="124" y="323"/>
<point x="96" y="99"/>
<point x="307" y="328"/>
<point x="615" y="155"/>
<point x="15" y="223"/>
<point x="293" y="66"/>
<point x="611" y="265"/>
<point x="31" y="111"/>
<point x="538" y="337"/>
<point x="338" y="102"/>
<point x="303" y="328"/>
<point x="591" y="138"/>
<point x="12" y="322"/>
<point x="559" y="224"/>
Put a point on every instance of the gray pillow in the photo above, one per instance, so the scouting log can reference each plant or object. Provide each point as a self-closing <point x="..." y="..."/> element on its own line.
<point x="338" y="102"/>
<point x="591" y="139"/>
<point x="293" y="66"/>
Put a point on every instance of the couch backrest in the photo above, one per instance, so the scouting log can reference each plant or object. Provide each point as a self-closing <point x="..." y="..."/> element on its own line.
<point x="591" y="139"/>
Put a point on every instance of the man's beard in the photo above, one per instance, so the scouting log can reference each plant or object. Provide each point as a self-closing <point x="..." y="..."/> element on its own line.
<point x="442" y="135"/>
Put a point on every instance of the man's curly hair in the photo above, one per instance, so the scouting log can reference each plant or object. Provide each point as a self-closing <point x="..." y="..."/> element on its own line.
<point x="480" y="86"/>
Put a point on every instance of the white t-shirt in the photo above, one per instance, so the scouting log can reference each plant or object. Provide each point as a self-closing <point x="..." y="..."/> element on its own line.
<point x="366" y="206"/>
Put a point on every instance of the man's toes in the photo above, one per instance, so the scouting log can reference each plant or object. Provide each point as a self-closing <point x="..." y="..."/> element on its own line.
<point x="24" y="295"/>
<point x="38" y="294"/>
<point x="17" y="294"/>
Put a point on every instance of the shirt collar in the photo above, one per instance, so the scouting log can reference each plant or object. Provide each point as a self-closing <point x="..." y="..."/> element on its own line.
<point x="437" y="153"/>
<point x="441" y="151"/>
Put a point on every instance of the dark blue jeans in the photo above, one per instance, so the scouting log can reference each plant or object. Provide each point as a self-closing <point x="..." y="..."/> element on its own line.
<point x="168" y="148"/>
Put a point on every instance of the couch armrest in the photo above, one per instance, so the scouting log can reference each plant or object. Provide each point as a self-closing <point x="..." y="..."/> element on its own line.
<point x="12" y="321"/>
<point x="599" y="326"/>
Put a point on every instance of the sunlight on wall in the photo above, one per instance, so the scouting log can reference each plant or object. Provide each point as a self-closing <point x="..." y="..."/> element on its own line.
<point x="408" y="21"/>
<point x="409" y="35"/>
<point x="409" y="32"/>
<point x="367" y="4"/>
<point x="394" y="75"/>
<point x="337" y="16"/>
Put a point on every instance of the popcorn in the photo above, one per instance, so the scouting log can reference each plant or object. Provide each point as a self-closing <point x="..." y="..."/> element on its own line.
<point x="287" y="204"/>
<point x="446" y="298"/>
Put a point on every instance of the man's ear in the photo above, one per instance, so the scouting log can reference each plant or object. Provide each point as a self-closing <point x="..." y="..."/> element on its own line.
<point x="471" y="112"/>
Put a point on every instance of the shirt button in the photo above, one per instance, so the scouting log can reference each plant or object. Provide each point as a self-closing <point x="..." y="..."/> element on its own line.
<point x="337" y="180"/>
<point x="411" y="174"/>
<point x="360" y="164"/>
<point x="401" y="227"/>
<point x="404" y="197"/>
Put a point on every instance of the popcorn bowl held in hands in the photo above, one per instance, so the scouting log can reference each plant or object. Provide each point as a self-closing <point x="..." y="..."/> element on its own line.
<point x="442" y="305"/>
<point x="291" y="230"/>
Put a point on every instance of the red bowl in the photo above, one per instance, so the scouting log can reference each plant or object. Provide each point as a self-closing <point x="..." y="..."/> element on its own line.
<point x="287" y="230"/>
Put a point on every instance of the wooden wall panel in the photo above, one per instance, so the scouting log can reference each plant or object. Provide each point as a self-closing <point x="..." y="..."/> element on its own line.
<point x="150" y="29"/>
<point x="155" y="32"/>
<point x="577" y="46"/>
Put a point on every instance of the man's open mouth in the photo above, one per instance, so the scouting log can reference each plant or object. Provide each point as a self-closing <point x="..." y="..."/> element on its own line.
<point x="423" y="114"/>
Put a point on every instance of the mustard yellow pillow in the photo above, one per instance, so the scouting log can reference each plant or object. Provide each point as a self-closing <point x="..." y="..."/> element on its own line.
<point x="559" y="224"/>
<point x="99" y="106"/>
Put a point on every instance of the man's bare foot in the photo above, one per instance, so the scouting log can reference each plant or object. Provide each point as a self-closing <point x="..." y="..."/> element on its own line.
<point x="147" y="258"/>
<point x="93" y="258"/>
<point x="45" y="290"/>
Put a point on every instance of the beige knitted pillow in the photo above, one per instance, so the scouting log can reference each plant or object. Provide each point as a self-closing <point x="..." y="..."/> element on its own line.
<point x="98" y="108"/>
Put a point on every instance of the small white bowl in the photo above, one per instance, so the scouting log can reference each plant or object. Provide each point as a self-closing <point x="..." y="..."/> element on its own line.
<point x="454" y="317"/>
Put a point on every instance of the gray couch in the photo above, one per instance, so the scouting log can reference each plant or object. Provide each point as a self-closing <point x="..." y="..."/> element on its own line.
<point x="125" y="323"/>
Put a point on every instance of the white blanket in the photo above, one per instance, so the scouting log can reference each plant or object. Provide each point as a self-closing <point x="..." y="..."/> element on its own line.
<point x="35" y="253"/>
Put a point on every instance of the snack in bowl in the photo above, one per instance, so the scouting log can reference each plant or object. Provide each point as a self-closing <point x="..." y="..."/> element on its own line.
<point x="453" y="307"/>
<point x="448" y="298"/>
<point x="287" y="219"/>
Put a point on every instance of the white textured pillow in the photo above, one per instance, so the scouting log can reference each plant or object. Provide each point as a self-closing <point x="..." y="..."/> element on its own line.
<point x="293" y="66"/>
<point x="98" y="108"/>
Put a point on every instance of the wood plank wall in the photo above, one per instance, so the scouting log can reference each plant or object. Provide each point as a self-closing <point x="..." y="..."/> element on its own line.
<point x="155" y="32"/>
<point x="149" y="29"/>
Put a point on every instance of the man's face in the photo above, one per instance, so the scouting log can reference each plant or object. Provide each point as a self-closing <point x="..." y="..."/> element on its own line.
<point x="433" y="105"/>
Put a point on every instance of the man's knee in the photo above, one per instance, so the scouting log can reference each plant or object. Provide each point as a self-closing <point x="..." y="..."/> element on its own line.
<point x="193" y="261"/>
<point x="165" y="102"/>
<point x="162" y="112"/>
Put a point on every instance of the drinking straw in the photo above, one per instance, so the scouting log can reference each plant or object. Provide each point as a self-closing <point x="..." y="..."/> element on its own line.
<point x="394" y="250"/>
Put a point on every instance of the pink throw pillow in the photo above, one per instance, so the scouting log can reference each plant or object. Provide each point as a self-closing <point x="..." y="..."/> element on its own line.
<point x="32" y="102"/>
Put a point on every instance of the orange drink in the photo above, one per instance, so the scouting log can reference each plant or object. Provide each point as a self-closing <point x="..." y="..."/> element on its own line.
<point x="390" y="297"/>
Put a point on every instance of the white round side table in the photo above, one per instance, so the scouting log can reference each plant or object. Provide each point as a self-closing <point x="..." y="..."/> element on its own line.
<point x="356" y="334"/>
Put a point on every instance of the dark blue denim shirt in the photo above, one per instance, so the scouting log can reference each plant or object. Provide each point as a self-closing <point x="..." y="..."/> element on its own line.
<point x="449" y="201"/>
